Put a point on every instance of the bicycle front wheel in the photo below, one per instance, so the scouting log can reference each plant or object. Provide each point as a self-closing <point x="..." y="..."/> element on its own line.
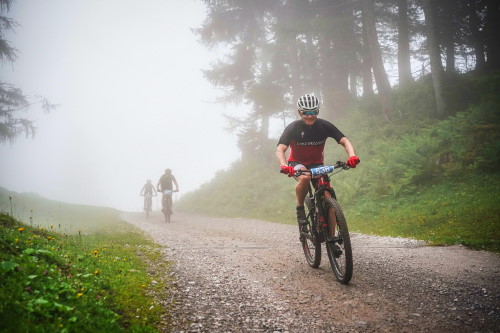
<point x="338" y="242"/>
<point x="310" y="243"/>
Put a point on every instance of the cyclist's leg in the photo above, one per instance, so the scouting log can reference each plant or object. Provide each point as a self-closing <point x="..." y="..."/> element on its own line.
<point x="170" y="204"/>
<point x="333" y="219"/>
<point x="163" y="202"/>
<point x="301" y="190"/>
<point x="303" y="181"/>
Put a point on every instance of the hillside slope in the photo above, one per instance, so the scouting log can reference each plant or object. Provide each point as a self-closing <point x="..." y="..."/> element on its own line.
<point x="35" y="210"/>
<point x="422" y="177"/>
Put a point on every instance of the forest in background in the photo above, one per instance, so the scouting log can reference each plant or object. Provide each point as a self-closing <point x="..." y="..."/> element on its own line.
<point x="427" y="133"/>
<point x="343" y="51"/>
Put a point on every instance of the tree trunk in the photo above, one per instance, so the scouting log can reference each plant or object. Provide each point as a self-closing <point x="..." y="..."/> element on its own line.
<point x="335" y="53"/>
<point x="492" y="35"/>
<point x="449" y="34"/>
<point x="477" y="37"/>
<point x="294" y="71"/>
<point x="292" y="52"/>
<point x="435" y="57"/>
<point x="404" y="64"/>
<point x="264" y="129"/>
<point x="353" y="85"/>
<point x="366" y="65"/>
<point x="383" y="85"/>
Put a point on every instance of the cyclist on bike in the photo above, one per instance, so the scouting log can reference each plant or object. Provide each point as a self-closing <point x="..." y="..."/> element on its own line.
<point x="146" y="190"/>
<point x="306" y="138"/>
<point x="165" y="183"/>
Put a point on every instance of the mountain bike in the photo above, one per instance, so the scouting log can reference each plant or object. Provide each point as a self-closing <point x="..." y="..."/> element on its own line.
<point x="326" y="224"/>
<point x="148" y="203"/>
<point x="166" y="203"/>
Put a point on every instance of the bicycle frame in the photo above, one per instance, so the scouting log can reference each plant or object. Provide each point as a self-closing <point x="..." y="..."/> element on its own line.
<point x="326" y="224"/>
<point x="148" y="203"/>
<point x="321" y="185"/>
<point x="166" y="202"/>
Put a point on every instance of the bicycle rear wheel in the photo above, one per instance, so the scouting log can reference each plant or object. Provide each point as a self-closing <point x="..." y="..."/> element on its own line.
<point x="310" y="243"/>
<point x="338" y="242"/>
<point x="148" y="206"/>
<point x="166" y="204"/>
<point x="166" y="212"/>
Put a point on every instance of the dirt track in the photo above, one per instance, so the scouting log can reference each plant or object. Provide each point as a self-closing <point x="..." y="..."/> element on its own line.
<point x="243" y="275"/>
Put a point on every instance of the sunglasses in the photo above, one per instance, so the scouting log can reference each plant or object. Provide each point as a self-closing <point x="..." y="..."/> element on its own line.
<point x="310" y="113"/>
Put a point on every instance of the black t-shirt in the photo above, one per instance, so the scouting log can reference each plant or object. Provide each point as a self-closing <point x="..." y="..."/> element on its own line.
<point x="308" y="142"/>
<point x="166" y="182"/>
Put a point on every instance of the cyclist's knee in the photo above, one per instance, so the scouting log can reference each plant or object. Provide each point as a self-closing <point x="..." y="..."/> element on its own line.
<point x="304" y="179"/>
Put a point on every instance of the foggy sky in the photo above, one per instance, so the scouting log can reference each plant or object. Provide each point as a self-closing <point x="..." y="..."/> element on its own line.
<point x="132" y="100"/>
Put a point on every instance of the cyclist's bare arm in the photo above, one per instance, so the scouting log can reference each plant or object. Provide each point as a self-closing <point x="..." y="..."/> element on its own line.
<point x="280" y="154"/>
<point x="347" y="146"/>
<point x="176" y="185"/>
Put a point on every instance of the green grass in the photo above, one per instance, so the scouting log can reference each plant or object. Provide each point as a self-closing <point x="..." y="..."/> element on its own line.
<point x="35" y="210"/>
<point x="104" y="279"/>
<point x="452" y="212"/>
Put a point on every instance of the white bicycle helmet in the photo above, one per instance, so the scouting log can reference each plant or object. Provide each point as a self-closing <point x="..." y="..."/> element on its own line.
<point x="308" y="102"/>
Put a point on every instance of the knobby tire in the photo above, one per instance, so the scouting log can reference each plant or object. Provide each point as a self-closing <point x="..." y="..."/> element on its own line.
<point x="310" y="243"/>
<point x="149" y="203"/>
<point x="167" y="207"/>
<point x="341" y="261"/>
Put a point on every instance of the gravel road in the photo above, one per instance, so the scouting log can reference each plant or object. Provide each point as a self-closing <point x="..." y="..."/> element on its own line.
<point x="244" y="275"/>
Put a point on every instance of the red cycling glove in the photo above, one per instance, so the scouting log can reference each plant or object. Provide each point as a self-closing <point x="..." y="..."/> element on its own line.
<point x="352" y="161"/>
<point x="288" y="170"/>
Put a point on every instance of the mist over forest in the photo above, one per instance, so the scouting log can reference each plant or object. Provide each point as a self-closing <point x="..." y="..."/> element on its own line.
<point x="343" y="51"/>
<point x="120" y="114"/>
<point x="99" y="98"/>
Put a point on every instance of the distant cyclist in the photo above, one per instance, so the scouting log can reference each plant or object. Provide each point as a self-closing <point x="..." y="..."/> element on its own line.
<point x="165" y="183"/>
<point x="306" y="138"/>
<point x="147" y="189"/>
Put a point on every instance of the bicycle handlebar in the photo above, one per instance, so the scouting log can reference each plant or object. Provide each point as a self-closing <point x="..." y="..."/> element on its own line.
<point x="322" y="170"/>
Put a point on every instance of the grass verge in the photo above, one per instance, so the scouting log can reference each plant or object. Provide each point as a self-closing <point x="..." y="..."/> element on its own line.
<point x="53" y="282"/>
<point x="452" y="212"/>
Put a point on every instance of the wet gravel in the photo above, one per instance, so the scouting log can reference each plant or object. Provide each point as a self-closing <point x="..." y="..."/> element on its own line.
<point x="244" y="275"/>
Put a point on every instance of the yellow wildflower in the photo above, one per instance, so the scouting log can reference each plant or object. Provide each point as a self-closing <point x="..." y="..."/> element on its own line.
<point x="20" y="229"/>
<point x="79" y="295"/>
<point x="96" y="272"/>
